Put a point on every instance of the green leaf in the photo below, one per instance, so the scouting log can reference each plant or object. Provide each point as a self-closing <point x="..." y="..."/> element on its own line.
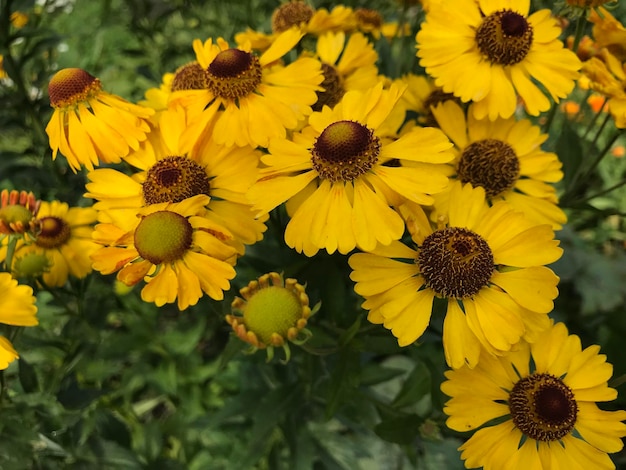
<point x="415" y="387"/>
<point x="28" y="376"/>
<point x="400" y="430"/>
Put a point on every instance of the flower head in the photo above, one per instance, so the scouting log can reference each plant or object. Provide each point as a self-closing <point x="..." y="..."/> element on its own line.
<point x="17" y="307"/>
<point x="179" y="253"/>
<point x="88" y="124"/>
<point x="335" y="178"/>
<point x="18" y="211"/>
<point x="273" y="310"/>
<point x="64" y="238"/>
<point x="505" y="158"/>
<point x="243" y="89"/>
<point x="536" y="406"/>
<point x="485" y="262"/>
<point x="491" y="52"/>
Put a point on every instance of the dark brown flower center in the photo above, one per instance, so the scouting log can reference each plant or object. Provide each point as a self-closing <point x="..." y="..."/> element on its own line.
<point x="543" y="407"/>
<point x="344" y="151"/>
<point x="54" y="232"/>
<point x="163" y="237"/>
<point x="333" y="89"/>
<point x="234" y="74"/>
<point x="190" y="76"/>
<point x="291" y="14"/>
<point x="504" y="37"/>
<point x="491" y="164"/>
<point x="368" y="18"/>
<point x="455" y="262"/>
<point x="174" y="179"/>
<point x="68" y="87"/>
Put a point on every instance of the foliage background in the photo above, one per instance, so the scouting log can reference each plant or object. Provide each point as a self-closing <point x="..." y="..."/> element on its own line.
<point x="107" y="381"/>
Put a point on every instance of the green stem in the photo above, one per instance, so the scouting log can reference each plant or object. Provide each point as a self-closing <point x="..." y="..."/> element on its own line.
<point x="595" y="117"/>
<point x="8" y="260"/>
<point x="550" y="118"/>
<point x="600" y="193"/>
<point x="580" y="29"/>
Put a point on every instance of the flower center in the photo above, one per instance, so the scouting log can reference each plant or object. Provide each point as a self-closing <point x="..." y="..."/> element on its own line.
<point x="273" y="309"/>
<point x="491" y="164"/>
<point x="291" y="14"/>
<point x="15" y="213"/>
<point x="31" y="265"/>
<point x="455" y="262"/>
<point x="174" y="179"/>
<point x="233" y="74"/>
<point x="368" y="18"/>
<point x="333" y="89"/>
<point x="344" y="151"/>
<point x="163" y="237"/>
<point x="54" y="232"/>
<point x="69" y="87"/>
<point x="543" y="407"/>
<point x="190" y="76"/>
<point x="504" y="37"/>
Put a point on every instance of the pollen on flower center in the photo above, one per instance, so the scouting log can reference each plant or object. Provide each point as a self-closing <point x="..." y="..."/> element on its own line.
<point x="333" y="88"/>
<point x="291" y="14"/>
<point x="190" y="76"/>
<point x="163" y="237"/>
<point x="491" y="164"/>
<point x="54" y="232"/>
<point x="455" y="262"/>
<point x="70" y="86"/>
<point x="174" y="179"/>
<point x="504" y="37"/>
<point x="233" y="74"/>
<point x="543" y="407"/>
<point x="344" y="151"/>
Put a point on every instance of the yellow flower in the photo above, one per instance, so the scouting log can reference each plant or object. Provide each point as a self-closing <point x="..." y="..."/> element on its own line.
<point x="301" y="16"/>
<point x="17" y="307"/>
<point x="177" y="252"/>
<point x="607" y="75"/>
<point x="492" y="51"/>
<point x="3" y="73"/>
<point x="486" y="262"/>
<point x="504" y="157"/>
<point x="64" y="237"/>
<point x="89" y="125"/>
<point x="273" y="310"/>
<point x="18" y="211"/>
<point x="19" y="19"/>
<point x="251" y="99"/>
<point x="346" y="66"/>
<point x="609" y="33"/>
<point x="172" y="171"/>
<point x="535" y="408"/>
<point x="334" y="178"/>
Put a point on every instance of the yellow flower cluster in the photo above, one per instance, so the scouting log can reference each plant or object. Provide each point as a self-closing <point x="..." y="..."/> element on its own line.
<point x="435" y="185"/>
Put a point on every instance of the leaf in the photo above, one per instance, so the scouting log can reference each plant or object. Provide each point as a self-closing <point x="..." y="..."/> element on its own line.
<point x="415" y="387"/>
<point x="400" y="430"/>
<point x="28" y="376"/>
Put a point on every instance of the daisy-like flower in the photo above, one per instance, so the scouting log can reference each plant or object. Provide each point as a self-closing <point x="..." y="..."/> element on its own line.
<point x="492" y="51"/>
<point x="334" y="178"/>
<point x="300" y="15"/>
<point x="486" y="262"/>
<point x="252" y="98"/>
<point x="64" y="238"/>
<point x="607" y="75"/>
<point x="179" y="253"/>
<point x="272" y="312"/>
<point x="89" y="125"/>
<point x="608" y="32"/>
<point x="505" y="158"/>
<point x="17" y="307"/>
<point x="536" y="407"/>
<point x="346" y="66"/>
<point x="18" y="211"/>
<point x="172" y="172"/>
